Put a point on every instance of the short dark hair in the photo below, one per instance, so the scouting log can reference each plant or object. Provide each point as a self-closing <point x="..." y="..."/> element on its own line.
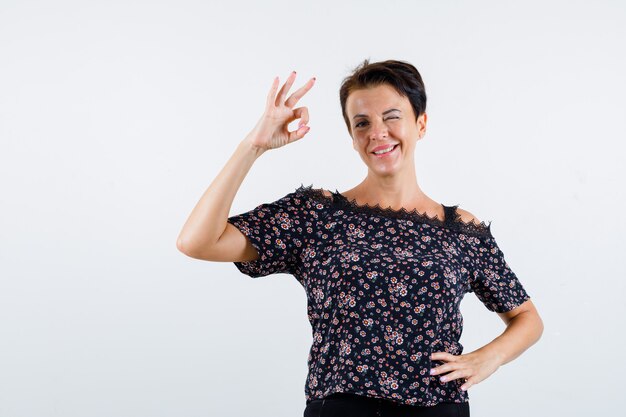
<point x="400" y="75"/>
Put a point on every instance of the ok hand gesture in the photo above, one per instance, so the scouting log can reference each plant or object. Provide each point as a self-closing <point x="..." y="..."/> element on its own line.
<point x="271" y="131"/>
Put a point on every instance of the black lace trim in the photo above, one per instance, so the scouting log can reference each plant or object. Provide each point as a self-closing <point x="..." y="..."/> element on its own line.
<point x="457" y="224"/>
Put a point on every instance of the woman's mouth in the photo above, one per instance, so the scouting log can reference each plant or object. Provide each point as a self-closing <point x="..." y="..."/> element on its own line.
<point x="386" y="154"/>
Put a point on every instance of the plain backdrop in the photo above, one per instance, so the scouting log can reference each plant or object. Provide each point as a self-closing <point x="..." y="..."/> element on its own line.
<point x="115" y="116"/>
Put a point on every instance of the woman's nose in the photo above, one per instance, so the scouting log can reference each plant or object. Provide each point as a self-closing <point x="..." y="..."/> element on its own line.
<point x="378" y="130"/>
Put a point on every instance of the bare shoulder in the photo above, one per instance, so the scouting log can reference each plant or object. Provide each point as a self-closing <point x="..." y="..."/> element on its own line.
<point x="326" y="193"/>
<point x="466" y="216"/>
<point x="316" y="191"/>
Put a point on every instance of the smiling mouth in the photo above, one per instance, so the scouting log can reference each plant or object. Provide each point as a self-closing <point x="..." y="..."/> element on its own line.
<point x="386" y="153"/>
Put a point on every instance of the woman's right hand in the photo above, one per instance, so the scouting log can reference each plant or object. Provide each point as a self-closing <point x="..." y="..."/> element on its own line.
<point x="271" y="130"/>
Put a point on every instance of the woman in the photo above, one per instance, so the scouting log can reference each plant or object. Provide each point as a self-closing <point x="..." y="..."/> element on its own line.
<point x="384" y="266"/>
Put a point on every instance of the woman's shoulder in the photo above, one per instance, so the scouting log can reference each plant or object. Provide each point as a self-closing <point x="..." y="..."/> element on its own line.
<point x="466" y="217"/>
<point x="314" y="196"/>
<point x="468" y="222"/>
<point x="313" y="191"/>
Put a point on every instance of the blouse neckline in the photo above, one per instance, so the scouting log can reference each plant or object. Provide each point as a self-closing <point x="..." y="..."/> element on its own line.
<point x="452" y="220"/>
<point x="390" y="212"/>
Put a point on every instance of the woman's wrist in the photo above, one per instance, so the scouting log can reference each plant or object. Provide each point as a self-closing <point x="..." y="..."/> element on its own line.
<point x="248" y="146"/>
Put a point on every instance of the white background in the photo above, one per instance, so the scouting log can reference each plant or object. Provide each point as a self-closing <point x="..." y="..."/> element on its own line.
<point x="116" y="115"/>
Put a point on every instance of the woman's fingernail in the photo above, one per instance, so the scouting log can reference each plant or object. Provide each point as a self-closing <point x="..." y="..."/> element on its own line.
<point x="432" y="371"/>
<point x="442" y="379"/>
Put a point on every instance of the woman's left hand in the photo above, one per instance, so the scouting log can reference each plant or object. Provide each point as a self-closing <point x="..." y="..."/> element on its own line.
<point x="473" y="367"/>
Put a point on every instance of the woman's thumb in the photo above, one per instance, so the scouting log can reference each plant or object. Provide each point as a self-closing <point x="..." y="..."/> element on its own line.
<point x="299" y="133"/>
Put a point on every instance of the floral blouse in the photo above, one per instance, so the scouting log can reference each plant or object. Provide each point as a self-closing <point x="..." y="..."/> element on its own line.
<point x="383" y="289"/>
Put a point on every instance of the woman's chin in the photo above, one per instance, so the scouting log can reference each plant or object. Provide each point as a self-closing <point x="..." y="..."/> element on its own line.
<point x="385" y="170"/>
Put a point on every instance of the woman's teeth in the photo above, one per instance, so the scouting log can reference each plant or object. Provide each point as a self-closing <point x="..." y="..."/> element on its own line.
<point x="389" y="149"/>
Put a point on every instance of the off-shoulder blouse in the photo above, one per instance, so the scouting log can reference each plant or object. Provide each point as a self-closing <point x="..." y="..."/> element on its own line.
<point x="383" y="289"/>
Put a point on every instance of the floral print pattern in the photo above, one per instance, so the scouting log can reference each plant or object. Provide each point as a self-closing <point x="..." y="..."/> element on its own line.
<point x="383" y="289"/>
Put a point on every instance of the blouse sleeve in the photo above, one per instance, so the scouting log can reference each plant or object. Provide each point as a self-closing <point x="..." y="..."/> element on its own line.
<point x="277" y="231"/>
<point x="491" y="278"/>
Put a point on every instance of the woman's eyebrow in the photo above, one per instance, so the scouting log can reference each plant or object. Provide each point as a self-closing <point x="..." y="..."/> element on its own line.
<point x="385" y="112"/>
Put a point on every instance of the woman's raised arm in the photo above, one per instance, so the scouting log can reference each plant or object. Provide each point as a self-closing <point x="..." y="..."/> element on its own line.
<point x="206" y="233"/>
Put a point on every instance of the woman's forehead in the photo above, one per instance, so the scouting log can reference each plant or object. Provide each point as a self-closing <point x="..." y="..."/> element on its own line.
<point x="375" y="99"/>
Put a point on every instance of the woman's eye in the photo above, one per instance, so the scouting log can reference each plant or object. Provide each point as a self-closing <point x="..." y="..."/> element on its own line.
<point x="360" y="123"/>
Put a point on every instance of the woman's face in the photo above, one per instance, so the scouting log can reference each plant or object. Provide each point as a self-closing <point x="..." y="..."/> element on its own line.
<point x="380" y="117"/>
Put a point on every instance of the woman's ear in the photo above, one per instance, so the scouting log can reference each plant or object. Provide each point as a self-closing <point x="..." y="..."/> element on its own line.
<point x="421" y="124"/>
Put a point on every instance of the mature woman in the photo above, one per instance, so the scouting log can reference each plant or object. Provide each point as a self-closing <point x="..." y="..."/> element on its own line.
<point x="384" y="266"/>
